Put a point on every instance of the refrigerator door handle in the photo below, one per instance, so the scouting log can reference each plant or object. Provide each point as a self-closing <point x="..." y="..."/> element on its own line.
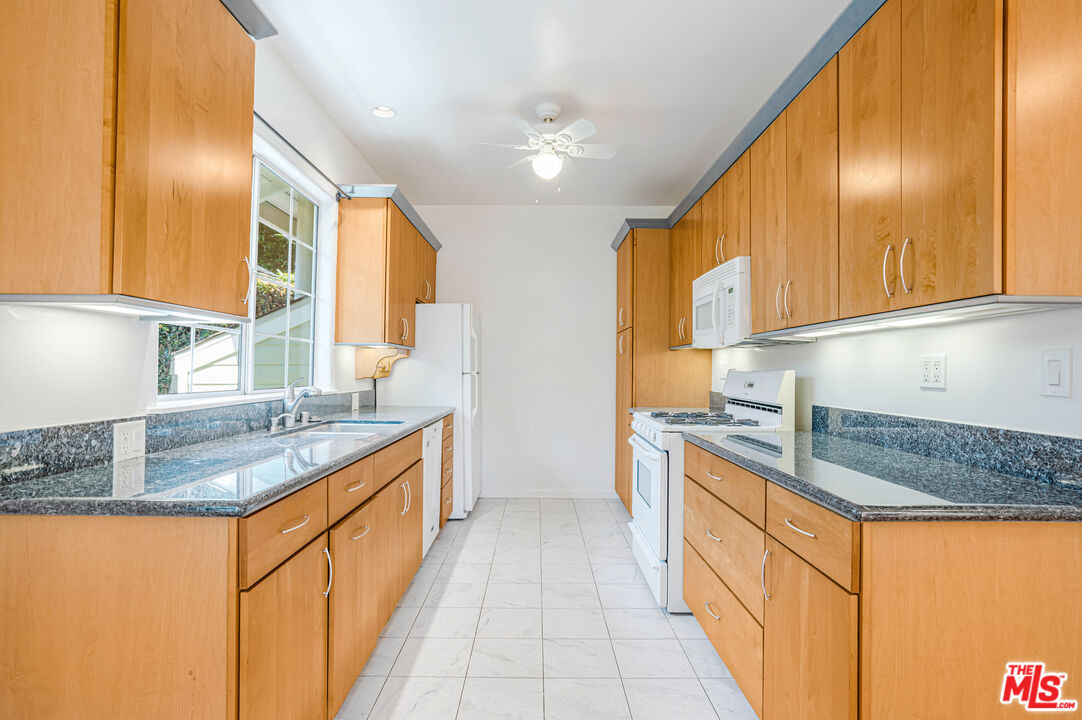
<point x="475" y="385"/>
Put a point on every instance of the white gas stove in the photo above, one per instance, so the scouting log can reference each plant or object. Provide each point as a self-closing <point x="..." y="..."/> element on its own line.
<point x="756" y="402"/>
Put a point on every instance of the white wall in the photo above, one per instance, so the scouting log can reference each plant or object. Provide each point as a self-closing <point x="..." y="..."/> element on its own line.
<point x="993" y="372"/>
<point x="544" y="282"/>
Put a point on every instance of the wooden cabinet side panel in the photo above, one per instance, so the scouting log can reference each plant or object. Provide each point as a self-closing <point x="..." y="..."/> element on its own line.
<point x="361" y="287"/>
<point x="1044" y="148"/>
<point x="56" y="134"/>
<point x="869" y="165"/>
<point x="107" y="617"/>
<point x="946" y="605"/>
<point x="768" y="227"/>
<point x="811" y="292"/>
<point x="186" y="89"/>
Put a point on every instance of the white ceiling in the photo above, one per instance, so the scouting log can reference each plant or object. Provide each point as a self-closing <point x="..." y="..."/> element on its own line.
<point x="669" y="84"/>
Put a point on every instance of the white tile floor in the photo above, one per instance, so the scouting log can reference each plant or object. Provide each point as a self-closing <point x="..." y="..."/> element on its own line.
<point x="532" y="610"/>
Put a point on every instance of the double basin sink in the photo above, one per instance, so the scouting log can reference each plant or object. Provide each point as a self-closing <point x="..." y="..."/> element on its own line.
<point x="353" y="429"/>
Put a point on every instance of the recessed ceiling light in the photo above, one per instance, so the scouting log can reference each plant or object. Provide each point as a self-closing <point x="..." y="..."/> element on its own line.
<point x="382" y="111"/>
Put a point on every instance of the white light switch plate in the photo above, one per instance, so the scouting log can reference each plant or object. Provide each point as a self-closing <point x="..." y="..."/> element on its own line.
<point x="1056" y="366"/>
<point x="933" y="372"/>
<point x="129" y="440"/>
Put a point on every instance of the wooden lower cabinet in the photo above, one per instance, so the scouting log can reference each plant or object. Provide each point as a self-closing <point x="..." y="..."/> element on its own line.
<point x="409" y="524"/>
<point x="283" y="639"/>
<point x="810" y="635"/>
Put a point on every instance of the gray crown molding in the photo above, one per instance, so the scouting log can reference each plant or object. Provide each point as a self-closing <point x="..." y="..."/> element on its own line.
<point x="632" y="223"/>
<point x="251" y="18"/>
<point x="395" y="194"/>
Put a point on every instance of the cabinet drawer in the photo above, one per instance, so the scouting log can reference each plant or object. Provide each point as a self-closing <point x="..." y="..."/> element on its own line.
<point x="349" y="487"/>
<point x="448" y="425"/>
<point x="447" y="473"/>
<point x="392" y="461"/>
<point x="274" y="533"/>
<point x="446" y="501"/>
<point x="733" y="633"/>
<point x="731" y="545"/>
<point x="744" y="491"/>
<point x="823" y="538"/>
<point x="448" y="449"/>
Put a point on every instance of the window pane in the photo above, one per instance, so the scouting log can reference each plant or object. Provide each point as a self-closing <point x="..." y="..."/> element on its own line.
<point x="300" y="316"/>
<point x="268" y="362"/>
<point x="272" y="253"/>
<point x="273" y="199"/>
<point x="300" y="355"/>
<point x="302" y="267"/>
<point x="270" y="308"/>
<point x="211" y="364"/>
<point x="304" y="224"/>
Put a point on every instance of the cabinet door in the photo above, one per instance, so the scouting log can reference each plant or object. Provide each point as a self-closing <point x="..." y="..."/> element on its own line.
<point x="401" y="277"/>
<point x="413" y="525"/>
<point x="625" y="274"/>
<point x="870" y="165"/>
<point x="357" y="545"/>
<point x="768" y="227"/>
<point x="624" y="400"/>
<point x="951" y="149"/>
<point x="735" y="237"/>
<point x="184" y="155"/>
<point x="426" y="269"/>
<point x="710" y="231"/>
<point x="388" y="505"/>
<point x="810" y="294"/>
<point x="685" y="261"/>
<point x="283" y="639"/>
<point x="810" y="658"/>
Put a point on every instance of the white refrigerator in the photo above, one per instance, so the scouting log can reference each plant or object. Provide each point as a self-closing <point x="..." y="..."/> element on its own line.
<point x="444" y="369"/>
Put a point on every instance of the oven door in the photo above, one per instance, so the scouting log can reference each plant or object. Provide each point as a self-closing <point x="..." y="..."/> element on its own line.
<point x="650" y="494"/>
<point x="706" y="329"/>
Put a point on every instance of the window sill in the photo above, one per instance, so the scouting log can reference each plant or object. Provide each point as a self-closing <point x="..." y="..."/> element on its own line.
<point x="166" y="405"/>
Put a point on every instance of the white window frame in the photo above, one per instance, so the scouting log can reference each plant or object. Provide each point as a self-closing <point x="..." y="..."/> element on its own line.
<point x="242" y="364"/>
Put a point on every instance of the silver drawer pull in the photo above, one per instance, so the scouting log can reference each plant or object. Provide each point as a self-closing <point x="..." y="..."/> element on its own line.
<point x="712" y="536"/>
<point x="298" y="526"/>
<point x="794" y="527"/>
<point x="355" y="488"/>
<point x="712" y="475"/>
<point x="762" y="575"/>
<point x="362" y="534"/>
<point x="448" y="501"/>
<point x="711" y="612"/>
<point x="330" y="572"/>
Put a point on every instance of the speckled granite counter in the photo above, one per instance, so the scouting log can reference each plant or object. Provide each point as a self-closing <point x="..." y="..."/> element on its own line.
<point x="231" y="477"/>
<point x="867" y="482"/>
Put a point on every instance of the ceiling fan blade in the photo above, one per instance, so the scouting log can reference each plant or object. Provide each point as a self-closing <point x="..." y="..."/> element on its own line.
<point x="526" y="128"/>
<point x="578" y="130"/>
<point x="504" y="145"/>
<point x="595" y="151"/>
<point x="521" y="161"/>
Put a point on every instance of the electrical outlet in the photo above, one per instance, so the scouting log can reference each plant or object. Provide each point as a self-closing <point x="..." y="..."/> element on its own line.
<point x="129" y="440"/>
<point x="129" y="477"/>
<point x="933" y="372"/>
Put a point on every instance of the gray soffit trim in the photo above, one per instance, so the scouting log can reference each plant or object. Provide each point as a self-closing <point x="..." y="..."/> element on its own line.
<point x="251" y="18"/>
<point x="398" y="198"/>
<point x="631" y="223"/>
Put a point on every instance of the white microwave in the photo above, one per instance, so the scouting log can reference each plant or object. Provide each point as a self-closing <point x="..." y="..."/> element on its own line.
<point x="721" y="314"/>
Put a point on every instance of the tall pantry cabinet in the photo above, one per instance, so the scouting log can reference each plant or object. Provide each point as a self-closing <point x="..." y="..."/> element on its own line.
<point x="647" y="372"/>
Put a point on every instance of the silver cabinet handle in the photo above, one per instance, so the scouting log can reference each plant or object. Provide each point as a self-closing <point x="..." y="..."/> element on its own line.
<point x="355" y="488"/>
<point x="405" y="329"/>
<point x="716" y="258"/>
<point x="409" y="496"/>
<point x="711" y="612"/>
<point x="777" y="302"/>
<point x="886" y="289"/>
<point x="901" y="266"/>
<point x="330" y="572"/>
<point x="448" y="501"/>
<point x="620" y="343"/>
<point x="620" y="317"/>
<point x="721" y="242"/>
<point x="428" y="289"/>
<point x="712" y="536"/>
<point x="787" y="286"/>
<point x="712" y="475"/>
<point x="297" y="526"/>
<point x="794" y="527"/>
<point x="762" y="574"/>
<point x="405" y="499"/>
<point x="446" y="447"/>
<point x="248" y="290"/>
<point x="361" y="535"/>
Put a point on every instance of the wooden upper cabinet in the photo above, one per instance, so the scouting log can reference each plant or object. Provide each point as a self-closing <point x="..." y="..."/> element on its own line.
<point x="379" y="261"/>
<point x="1044" y="148"/>
<point x="735" y="236"/>
<point x="810" y="659"/>
<point x="951" y="149"/>
<point x="625" y="272"/>
<point x="685" y="264"/>
<point x="710" y="223"/>
<point x="870" y="165"/>
<point x="768" y="227"/>
<point x="156" y="95"/>
<point x="810" y="294"/>
<point x="426" y="269"/>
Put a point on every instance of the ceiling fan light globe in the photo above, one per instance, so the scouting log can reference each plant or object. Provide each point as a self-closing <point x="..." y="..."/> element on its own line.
<point x="547" y="164"/>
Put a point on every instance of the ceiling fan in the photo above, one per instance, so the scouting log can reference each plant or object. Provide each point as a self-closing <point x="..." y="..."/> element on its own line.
<point x="550" y="147"/>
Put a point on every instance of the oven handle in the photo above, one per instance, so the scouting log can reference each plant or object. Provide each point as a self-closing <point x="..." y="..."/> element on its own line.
<point x="644" y="447"/>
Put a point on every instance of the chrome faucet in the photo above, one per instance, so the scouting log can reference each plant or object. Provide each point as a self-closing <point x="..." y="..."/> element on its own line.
<point x="291" y="401"/>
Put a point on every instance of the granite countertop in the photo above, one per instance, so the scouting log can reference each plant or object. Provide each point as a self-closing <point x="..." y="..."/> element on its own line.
<point x="231" y="477"/>
<point x="867" y="482"/>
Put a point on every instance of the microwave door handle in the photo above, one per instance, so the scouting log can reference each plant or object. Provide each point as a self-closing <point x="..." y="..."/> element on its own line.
<point x="643" y="447"/>
<point x="719" y="331"/>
